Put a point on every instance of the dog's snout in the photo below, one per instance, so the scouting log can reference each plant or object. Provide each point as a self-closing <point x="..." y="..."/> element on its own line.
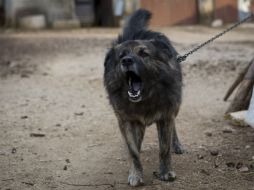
<point x="127" y="61"/>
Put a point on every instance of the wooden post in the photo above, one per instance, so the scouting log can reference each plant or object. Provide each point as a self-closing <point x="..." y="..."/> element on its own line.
<point x="243" y="95"/>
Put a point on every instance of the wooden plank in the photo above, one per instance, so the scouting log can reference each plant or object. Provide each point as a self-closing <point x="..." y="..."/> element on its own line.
<point x="238" y="80"/>
<point x="242" y="98"/>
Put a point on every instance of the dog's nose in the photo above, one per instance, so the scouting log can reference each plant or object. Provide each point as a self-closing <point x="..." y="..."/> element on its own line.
<point x="127" y="61"/>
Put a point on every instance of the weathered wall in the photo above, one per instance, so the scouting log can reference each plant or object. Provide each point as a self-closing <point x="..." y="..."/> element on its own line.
<point x="227" y="10"/>
<point x="171" y="12"/>
<point x="252" y="6"/>
<point x="52" y="9"/>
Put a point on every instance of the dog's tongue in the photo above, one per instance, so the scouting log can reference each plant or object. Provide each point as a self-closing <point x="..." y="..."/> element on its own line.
<point x="136" y="86"/>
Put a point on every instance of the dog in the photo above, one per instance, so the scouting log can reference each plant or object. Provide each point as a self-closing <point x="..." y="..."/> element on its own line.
<point x="143" y="81"/>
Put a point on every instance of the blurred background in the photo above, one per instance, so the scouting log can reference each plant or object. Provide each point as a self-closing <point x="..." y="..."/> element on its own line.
<point x="108" y="13"/>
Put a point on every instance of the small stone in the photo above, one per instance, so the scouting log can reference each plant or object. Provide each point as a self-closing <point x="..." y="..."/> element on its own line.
<point x="252" y="157"/>
<point x="24" y="117"/>
<point x="58" y="125"/>
<point x="108" y="172"/>
<point x="14" y="150"/>
<point x="239" y="165"/>
<point x="205" y="172"/>
<point x="201" y="147"/>
<point x="79" y="113"/>
<point x="214" y="152"/>
<point x="65" y="167"/>
<point x="24" y="75"/>
<point x="67" y="161"/>
<point x="209" y="134"/>
<point x="217" y="162"/>
<point x="37" y="135"/>
<point x="200" y="156"/>
<point x="247" y="146"/>
<point x="237" y="148"/>
<point x="244" y="169"/>
<point x="230" y="164"/>
<point x="2" y="153"/>
<point x="227" y="130"/>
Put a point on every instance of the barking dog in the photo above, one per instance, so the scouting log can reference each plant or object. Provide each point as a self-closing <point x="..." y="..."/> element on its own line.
<point x="144" y="84"/>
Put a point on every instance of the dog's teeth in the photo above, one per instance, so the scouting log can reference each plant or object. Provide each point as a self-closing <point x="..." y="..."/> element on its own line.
<point x="132" y="95"/>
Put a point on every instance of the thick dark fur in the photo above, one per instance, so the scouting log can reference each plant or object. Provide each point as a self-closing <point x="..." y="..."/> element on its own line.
<point x="152" y="57"/>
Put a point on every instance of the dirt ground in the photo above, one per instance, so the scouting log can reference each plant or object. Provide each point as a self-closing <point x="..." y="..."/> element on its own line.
<point x="57" y="130"/>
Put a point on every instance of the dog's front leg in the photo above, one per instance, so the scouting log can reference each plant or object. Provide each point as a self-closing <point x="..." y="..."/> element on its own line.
<point x="177" y="147"/>
<point x="165" y="132"/>
<point x="133" y="134"/>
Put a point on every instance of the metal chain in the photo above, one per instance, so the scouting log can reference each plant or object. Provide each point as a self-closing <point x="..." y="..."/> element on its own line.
<point x="182" y="58"/>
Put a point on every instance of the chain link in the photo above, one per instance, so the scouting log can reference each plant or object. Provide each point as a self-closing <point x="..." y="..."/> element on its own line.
<point x="182" y="58"/>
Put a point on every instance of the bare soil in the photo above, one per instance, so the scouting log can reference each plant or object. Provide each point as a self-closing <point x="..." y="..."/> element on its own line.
<point x="57" y="130"/>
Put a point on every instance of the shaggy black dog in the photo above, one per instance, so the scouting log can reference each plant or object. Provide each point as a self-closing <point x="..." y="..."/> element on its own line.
<point x="143" y="80"/>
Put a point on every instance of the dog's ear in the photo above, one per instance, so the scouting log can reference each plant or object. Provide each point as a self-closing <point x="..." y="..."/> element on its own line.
<point x="164" y="47"/>
<point x="109" y="60"/>
<point x="162" y="50"/>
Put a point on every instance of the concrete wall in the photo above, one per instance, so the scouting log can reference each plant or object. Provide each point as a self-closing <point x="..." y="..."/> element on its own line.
<point x="52" y="9"/>
<point x="252" y="6"/>
<point x="171" y="12"/>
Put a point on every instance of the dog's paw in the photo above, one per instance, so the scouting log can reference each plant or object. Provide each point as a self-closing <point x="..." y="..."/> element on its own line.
<point x="178" y="149"/>
<point x="135" y="180"/>
<point x="169" y="176"/>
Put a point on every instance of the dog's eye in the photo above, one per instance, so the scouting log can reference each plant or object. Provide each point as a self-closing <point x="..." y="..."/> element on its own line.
<point x="143" y="53"/>
<point x="122" y="54"/>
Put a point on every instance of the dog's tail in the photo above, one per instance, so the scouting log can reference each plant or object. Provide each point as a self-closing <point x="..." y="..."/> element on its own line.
<point x="137" y="22"/>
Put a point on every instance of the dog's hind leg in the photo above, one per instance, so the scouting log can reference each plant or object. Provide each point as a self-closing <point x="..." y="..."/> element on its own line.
<point x="177" y="146"/>
<point x="133" y="134"/>
<point x="165" y="132"/>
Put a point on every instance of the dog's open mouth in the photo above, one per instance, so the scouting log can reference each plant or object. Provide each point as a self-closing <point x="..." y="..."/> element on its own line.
<point x="135" y="86"/>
